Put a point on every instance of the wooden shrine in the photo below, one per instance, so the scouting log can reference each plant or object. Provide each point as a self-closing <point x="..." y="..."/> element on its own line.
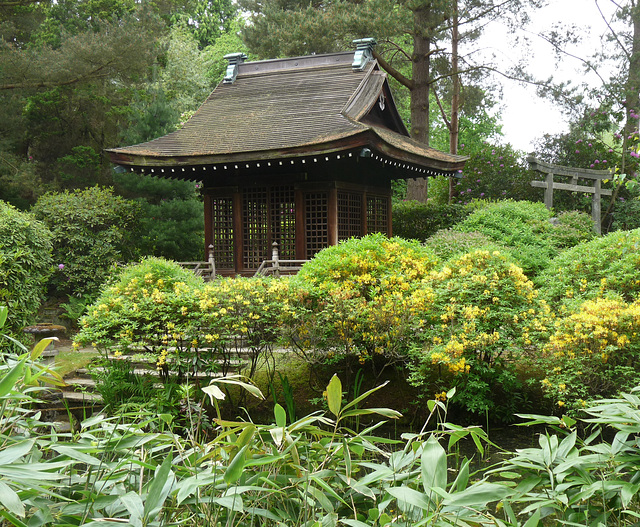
<point x="297" y="151"/>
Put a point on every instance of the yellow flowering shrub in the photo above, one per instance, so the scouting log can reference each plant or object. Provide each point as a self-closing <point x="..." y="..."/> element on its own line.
<point x="485" y="313"/>
<point x="593" y="353"/>
<point x="188" y="327"/>
<point x="606" y="265"/>
<point x="363" y="297"/>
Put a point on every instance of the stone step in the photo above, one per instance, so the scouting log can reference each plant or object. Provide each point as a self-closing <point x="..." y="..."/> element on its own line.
<point x="82" y="397"/>
<point x="82" y="382"/>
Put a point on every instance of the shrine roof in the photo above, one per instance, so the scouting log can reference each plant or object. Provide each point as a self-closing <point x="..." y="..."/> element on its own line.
<point x="288" y="108"/>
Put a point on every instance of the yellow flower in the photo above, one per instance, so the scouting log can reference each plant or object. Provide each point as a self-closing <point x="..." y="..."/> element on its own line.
<point x="117" y="354"/>
<point x="560" y="403"/>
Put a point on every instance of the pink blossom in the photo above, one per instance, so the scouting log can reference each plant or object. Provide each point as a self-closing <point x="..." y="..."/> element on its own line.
<point x="61" y="266"/>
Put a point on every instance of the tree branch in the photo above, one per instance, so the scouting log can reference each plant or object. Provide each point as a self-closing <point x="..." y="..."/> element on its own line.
<point x="405" y="81"/>
<point x="615" y="35"/>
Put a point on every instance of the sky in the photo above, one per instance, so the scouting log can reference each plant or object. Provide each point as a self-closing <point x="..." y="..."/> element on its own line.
<point x="525" y="116"/>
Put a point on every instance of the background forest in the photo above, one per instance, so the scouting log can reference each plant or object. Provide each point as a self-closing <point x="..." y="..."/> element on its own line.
<point x="77" y="77"/>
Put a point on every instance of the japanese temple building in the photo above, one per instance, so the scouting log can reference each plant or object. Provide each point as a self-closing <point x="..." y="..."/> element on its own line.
<point x="300" y="151"/>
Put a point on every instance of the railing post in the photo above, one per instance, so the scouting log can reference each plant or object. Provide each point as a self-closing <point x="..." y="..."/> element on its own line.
<point x="276" y="259"/>
<point x="212" y="261"/>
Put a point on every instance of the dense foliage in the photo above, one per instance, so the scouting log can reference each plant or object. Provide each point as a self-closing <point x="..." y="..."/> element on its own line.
<point x="604" y="265"/>
<point x="413" y="220"/>
<point x="242" y="473"/>
<point x="526" y="228"/>
<point x="25" y="265"/>
<point x="92" y="231"/>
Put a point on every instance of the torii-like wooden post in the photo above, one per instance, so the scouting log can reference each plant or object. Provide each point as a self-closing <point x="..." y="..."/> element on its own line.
<point x="574" y="173"/>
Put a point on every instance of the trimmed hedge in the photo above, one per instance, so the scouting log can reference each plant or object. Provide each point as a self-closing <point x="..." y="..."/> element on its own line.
<point x="413" y="220"/>
<point x="25" y="266"/>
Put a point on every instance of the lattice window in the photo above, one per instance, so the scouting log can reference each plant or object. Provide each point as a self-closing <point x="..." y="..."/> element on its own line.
<point x="317" y="216"/>
<point x="256" y="226"/>
<point x="349" y="215"/>
<point x="377" y="214"/>
<point x="283" y="220"/>
<point x="222" y="219"/>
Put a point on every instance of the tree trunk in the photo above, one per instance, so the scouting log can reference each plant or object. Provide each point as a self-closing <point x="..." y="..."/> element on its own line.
<point x="417" y="188"/>
<point x="455" y="98"/>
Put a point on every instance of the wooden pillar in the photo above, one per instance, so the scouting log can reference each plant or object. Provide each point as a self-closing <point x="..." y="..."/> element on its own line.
<point x="208" y="223"/>
<point x="548" y="192"/>
<point x="301" y="232"/>
<point x="238" y="231"/>
<point x="595" y="207"/>
<point x="389" y="217"/>
<point x="332" y="216"/>
<point x="363" y="214"/>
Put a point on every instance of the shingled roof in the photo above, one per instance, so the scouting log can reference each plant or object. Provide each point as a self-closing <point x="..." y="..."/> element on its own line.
<point x="291" y="108"/>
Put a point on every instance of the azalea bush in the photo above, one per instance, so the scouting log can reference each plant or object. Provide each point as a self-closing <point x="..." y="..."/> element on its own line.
<point x="25" y="266"/>
<point x="592" y="353"/>
<point x="363" y="298"/>
<point x="527" y="230"/>
<point x="484" y="316"/>
<point x="168" y="317"/>
<point x="449" y="243"/>
<point x="609" y="264"/>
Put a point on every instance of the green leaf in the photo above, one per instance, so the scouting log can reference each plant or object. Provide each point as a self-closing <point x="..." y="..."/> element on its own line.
<point x="384" y="412"/>
<point x="534" y="520"/>
<point x="433" y="465"/>
<point x="16" y="451"/>
<point x="39" y="348"/>
<point x="280" y="415"/>
<point x="11" y="518"/>
<point x="479" y="495"/>
<point x="11" y="500"/>
<point x="76" y="454"/>
<point x="409" y="497"/>
<point x="364" y="396"/>
<point x="235" y="468"/>
<point x="10" y="379"/>
<point x="334" y="395"/>
<point x="354" y="523"/>
<point x="4" y="311"/>
<point x="159" y="489"/>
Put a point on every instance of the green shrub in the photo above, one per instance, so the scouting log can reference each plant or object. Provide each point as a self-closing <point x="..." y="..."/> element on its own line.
<point x="593" y="353"/>
<point x="92" y="230"/>
<point x="361" y="297"/>
<point x="609" y="264"/>
<point x="367" y="265"/>
<point x="25" y="265"/>
<point x="185" y="327"/>
<point x="413" y="220"/>
<point x="522" y="226"/>
<point x="448" y="243"/>
<point x="484" y="315"/>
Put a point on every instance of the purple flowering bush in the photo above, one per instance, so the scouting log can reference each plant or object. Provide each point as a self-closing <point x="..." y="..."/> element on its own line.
<point x="493" y="172"/>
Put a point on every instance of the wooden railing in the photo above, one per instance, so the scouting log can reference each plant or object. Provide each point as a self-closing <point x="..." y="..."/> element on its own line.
<point x="207" y="269"/>
<point x="276" y="267"/>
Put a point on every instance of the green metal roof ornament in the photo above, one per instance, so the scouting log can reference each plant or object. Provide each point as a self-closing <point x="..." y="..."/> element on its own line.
<point x="364" y="53"/>
<point x="232" y="68"/>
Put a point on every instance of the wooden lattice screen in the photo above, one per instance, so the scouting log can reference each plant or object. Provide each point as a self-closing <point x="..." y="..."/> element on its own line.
<point x="283" y="221"/>
<point x="349" y="215"/>
<point x="255" y="245"/>
<point x="317" y="228"/>
<point x="222" y="232"/>
<point x="377" y="214"/>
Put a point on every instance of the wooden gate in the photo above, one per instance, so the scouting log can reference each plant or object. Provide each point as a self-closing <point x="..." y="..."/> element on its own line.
<point x="549" y="185"/>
